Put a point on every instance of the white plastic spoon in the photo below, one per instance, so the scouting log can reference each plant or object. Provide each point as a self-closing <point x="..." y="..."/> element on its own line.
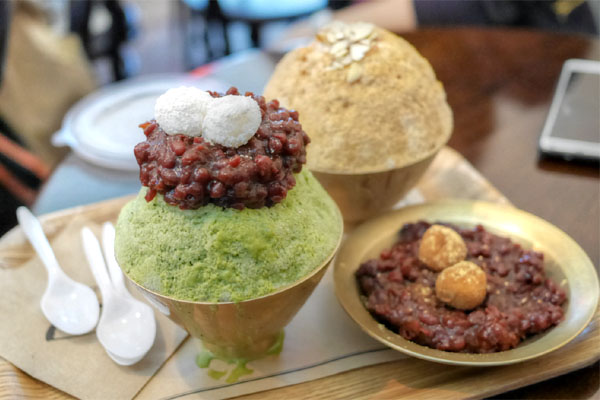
<point x="118" y="281"/>
<point x="126" y="330"/>
<point x="70" y="306"/>
<point x="124" y="361"/>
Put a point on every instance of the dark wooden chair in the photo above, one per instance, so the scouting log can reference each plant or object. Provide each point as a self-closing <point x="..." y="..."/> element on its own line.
<point x="108" y="43"/>
<point x="215" y="18"/>
<point x="202" y="21"/>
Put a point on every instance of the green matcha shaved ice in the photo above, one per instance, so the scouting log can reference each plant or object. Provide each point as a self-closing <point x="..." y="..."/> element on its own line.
<point x="216" y="254"/>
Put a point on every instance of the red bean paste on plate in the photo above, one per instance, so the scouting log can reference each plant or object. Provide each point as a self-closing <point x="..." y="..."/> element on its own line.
<point x="399" y="290"/>
<point x="191" y="172"/>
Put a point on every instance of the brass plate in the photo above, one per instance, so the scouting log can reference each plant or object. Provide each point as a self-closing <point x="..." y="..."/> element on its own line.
<point x="564" y="260"/>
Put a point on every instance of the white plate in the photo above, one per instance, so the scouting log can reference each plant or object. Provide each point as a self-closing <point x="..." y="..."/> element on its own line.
<point x="102" y="128"/>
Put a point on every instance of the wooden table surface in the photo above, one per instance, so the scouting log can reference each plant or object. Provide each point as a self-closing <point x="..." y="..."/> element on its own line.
<point x="500" y="85"/>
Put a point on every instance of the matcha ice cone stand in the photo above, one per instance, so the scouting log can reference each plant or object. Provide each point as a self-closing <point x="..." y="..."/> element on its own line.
<point x="240" y="331"/>
<point x="245" y="260"/>
<point x="229" y="235"/>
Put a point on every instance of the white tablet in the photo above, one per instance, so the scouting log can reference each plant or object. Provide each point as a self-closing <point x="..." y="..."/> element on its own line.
<point x="572" y="128"/>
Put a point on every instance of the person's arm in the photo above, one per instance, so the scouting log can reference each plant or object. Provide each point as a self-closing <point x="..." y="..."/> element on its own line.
<point x="393" y="15"/>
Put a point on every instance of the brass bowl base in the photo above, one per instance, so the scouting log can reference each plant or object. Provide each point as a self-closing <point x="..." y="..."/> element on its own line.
<point x="243" y="330"/>
<point x="565" y="262"/>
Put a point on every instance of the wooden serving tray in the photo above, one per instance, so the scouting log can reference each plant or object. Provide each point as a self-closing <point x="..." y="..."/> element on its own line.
<point x="450" y="176"/>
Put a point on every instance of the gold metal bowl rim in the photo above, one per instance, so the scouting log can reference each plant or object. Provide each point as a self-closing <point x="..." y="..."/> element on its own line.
<point x="281" y="289"/>
<point x="423" y="157"/>
<point x="347" y="291"/>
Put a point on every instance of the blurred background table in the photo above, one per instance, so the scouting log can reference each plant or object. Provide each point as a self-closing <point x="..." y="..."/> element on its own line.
<point x="500" y="84"/>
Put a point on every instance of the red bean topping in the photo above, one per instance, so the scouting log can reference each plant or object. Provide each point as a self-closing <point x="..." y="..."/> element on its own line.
<point x="217" y="189"/>
<point x="521" y="301"/>
<point x="177" y="166"/>
<point x="235" y="161"/>
<point x="148" y="127"/>
<point x="275" y="145"/>
<point x="150" y="195"/>
<point x="189" y="157"/>
<point x="178" y="145"/>
<point x="141" y="151"/>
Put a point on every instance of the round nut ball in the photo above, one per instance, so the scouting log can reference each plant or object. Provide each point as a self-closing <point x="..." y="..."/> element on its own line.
<point x="462" y="285"/>
<point x="441" y="247"/>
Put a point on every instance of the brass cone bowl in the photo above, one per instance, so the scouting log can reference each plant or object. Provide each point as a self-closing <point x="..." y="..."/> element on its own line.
<point x="375" y="121"/>
<point x="363" y="195"/>
<point x="243" y="330"/>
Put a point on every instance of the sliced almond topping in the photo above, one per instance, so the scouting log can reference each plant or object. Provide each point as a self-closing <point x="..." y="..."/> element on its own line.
<point x="354" y="73"/>
<point x="339" y="49"/>
<point x="335" y="65"/>
<point x="331" y="37"/>
<point x="360" y="31"/>
<point x="347" y="43"/>
<point x="358" y="51"/>
<point x="347" y="60"/>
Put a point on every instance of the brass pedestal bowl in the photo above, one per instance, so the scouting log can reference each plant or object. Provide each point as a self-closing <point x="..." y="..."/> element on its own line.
<point x="363" y="195"/>
<point x="242" y="330"/>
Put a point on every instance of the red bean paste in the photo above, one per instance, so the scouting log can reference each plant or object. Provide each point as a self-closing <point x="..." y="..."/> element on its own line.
<point x="399" y="291"/>
<point x="191" y="172"/>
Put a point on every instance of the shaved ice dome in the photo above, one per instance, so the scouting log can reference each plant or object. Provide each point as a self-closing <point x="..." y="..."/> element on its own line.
<point x="215" y="254"/>
<point x="182" y="110"/>
<point x="231" y="120"/>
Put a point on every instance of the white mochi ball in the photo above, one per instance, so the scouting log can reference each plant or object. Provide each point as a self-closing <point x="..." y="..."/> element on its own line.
<point x="231" y="120"/>
<point x="182" y="110"/>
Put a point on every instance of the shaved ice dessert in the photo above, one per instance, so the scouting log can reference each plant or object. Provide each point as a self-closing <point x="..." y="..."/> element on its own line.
<point x="213" y="254"/>
<point x="226" y="212"/>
